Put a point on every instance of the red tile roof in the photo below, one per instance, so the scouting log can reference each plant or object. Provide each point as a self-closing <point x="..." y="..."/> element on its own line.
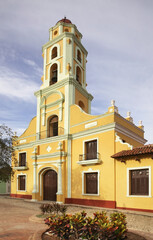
<point x="135" y="151"/>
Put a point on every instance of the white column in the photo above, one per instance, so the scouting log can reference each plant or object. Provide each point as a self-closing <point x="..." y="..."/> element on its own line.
<point x="38" y="117"/>
<point x="43" y="117"/>
<point x="59" y="179"/>
<point x="60" y="29"/>
<point x="34" y="178"/>
<point x="69" y="169"/>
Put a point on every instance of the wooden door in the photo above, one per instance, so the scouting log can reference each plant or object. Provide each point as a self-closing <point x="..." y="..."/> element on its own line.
<point x="50" y="185"/>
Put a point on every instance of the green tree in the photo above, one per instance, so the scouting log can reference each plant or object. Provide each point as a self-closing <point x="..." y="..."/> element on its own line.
<point x="7" y="143"/>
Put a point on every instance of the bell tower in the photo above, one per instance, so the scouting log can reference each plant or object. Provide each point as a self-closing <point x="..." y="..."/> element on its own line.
<point x="65" y="69"/>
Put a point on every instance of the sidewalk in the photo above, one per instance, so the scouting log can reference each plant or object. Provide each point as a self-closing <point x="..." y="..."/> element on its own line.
<point x="18" y="221"/>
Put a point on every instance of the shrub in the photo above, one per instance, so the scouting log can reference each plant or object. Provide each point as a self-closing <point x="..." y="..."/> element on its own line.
<point x="118" y="221"/>
<point x="79" y="226"/>
<point x="55" y="208"/>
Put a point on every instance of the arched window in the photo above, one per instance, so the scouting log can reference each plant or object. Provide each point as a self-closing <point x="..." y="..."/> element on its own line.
<point x="53" y="126"/>
<point x="53" y="74"/>
<point x="54" y="52"/>
<point x="81" y="105"/>
<point x="78" y="74"/>
<point x="79" y="55"/>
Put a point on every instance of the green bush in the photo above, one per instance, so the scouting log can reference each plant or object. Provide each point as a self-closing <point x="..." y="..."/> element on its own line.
<point x="79" y="226"/>
<point x="118" y="221"/>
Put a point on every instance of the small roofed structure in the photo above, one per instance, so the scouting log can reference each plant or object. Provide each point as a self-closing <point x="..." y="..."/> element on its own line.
<point x="146" y="149"/>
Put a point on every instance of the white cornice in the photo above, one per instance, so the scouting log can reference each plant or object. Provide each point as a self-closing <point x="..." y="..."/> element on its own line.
<point x="51" y="162"/>
<point x="109" y="127"/>
<point x="125" y="120"/>
<point x="130" y="134"/>
<point x="44" y="141"/>
<point x="51" y="155"/>
<point x="94" y="131"/>
<point x="62" y="83"/>
<point x="60" y="37"/>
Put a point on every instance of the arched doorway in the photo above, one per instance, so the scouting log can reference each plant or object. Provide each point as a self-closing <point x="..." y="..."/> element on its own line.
<point x="50" y="185"/>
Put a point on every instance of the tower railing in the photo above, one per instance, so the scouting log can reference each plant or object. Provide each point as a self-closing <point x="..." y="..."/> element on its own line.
<point x="50" y="133"/>
<point x="89" y="156"/>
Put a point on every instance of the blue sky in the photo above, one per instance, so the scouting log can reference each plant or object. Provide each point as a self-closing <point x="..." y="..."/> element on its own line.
<point x="118" y="35"/>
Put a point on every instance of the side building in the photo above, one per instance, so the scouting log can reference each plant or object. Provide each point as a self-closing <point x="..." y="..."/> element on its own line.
<point x="65" y="153"/>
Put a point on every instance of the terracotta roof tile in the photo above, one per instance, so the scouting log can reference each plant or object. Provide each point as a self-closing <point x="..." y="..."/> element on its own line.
<point x="135" y="151"/>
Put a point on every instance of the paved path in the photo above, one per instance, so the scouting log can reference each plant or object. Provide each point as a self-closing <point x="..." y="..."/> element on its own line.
<point x="18" y="222"/>
<point x="15" y="223"/>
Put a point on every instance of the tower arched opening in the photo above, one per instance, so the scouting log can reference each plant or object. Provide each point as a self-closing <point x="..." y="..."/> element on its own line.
<point x="53" y="73"/>
<point x="53" y="126"/>
<point x="78" y="75"/>
<point x="54" y="52"/>
<point x="81" y="105"/>
<point x="79" y="55"/>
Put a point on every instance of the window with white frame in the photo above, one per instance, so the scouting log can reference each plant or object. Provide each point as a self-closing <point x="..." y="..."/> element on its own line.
<point x="22" y="159"/>
<point x="22" y="182"/>
<point x="139" y="181"/>
<point x="91" y="150"/>
<point x="90" y="183"/>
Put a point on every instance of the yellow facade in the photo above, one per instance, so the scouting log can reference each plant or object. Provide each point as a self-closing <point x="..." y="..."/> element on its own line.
<point x="65" y="153"/>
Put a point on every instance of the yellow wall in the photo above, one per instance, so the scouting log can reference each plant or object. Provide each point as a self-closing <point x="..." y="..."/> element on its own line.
<point x="29" y="174"/>
<point x="80" y="97"/>
<point x="106" y="167"/>
<point x="121" y="185"/>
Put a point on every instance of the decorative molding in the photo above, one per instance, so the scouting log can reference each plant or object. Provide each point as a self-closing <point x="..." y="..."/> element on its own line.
<point x="93" y="119"/>
<point x="90" y="162"/>
<point x="51" y="93"/>
<point x="60" y="37"/>
<point x="50" y="162"/>
<point x="89" y="132"/>
<point x="52" y="155"/>
<point x="128" y="133"/>
<point x="118" y="139"/>
<point x="44" y="141"/>
<point x="57" y="102"/>
<point x="48" y="149"/>
<point x="65" y="81"/>
<point x="92" y="124"/>
<point x="23" y="141"/>
<point x="112" y="126"/>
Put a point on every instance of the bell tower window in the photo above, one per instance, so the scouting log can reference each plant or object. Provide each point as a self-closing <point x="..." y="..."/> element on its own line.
<point x="78" y="74"/>
<point x="81" y="105"/>
<point x="53" y="74"/>
<point x="79" y="56"/>
<point x="53" y="126"/>
<point x="54" y="53"/>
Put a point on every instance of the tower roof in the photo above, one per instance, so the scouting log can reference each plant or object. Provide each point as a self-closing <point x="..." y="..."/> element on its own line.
<point x="65" y="20"/>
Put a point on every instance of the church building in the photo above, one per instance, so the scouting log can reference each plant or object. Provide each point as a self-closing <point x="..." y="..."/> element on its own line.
<point x="68" y="155"/>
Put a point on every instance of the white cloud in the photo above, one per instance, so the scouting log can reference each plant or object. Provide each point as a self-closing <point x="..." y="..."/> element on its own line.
<point x="38" y="70"/>
<point x="29" y="62"/>
<point x="17" y="85"/>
